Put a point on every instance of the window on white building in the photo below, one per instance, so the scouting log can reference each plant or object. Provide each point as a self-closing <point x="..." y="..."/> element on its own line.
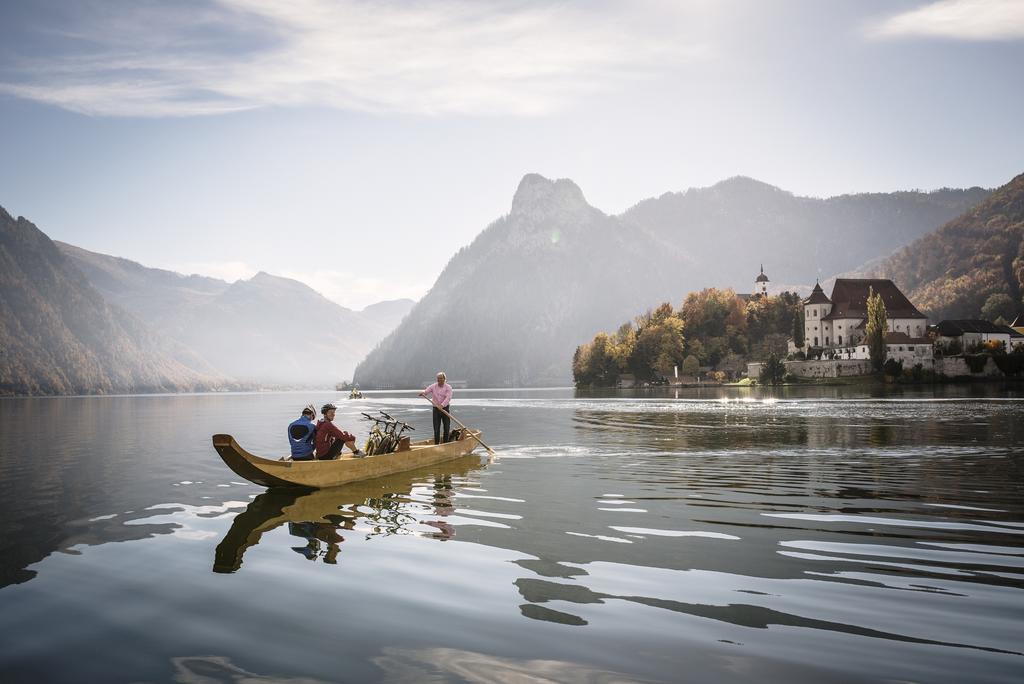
<point x="840" y="339"/>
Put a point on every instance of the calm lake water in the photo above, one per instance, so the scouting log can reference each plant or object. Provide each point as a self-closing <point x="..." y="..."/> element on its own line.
<point x="709" y="536"/>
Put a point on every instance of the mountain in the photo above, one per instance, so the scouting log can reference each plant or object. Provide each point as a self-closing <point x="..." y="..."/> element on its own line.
<point x="389" y="313"/>
<point x="742" y="222"/>
<point x="510" y="308"/>
<point x="266" y="329"/>
<point x="971" y="267"/>
<point x="58" y="335"/>
<point x="155" y="295"/>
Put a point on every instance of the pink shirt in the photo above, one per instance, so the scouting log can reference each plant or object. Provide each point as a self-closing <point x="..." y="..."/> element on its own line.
<point x="440" y="395"/>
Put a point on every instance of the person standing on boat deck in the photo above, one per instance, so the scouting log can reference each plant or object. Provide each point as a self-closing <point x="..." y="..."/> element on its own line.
<point x="440" y="394"/>
<point x="330" y="440"/>
<point x="301" y="433"/>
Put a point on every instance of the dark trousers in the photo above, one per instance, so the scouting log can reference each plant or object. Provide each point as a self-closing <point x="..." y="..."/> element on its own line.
<point x="438" y="419"/>
<point x="333" y="452"/>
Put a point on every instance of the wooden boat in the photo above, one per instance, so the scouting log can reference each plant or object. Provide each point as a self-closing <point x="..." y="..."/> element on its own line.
<point x="318" y="474"/>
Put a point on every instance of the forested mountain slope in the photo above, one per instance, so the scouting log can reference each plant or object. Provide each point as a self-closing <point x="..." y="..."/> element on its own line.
<point x="59" y="336"/>
<point x="510" y="308"/>
<point x="971" y="267"/>
<point x="741" y="222"/>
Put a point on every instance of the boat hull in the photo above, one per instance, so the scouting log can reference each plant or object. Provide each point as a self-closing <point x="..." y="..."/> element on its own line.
<point x="319" y="474"/>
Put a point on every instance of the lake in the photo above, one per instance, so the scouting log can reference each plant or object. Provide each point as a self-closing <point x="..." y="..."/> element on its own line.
<point x="819" y="535"/>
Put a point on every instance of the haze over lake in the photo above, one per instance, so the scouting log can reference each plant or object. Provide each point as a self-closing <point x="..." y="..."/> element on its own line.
<point x="821" y="534"/>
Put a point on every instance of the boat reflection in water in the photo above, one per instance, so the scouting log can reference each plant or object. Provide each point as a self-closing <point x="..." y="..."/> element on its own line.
<point x="322" y="517"/>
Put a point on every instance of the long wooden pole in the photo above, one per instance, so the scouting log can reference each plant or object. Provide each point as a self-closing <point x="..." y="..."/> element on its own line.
<point x="459" y="423"/>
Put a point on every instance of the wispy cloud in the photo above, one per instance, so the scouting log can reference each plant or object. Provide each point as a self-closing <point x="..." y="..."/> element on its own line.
<point x="450" y="56"/>
<point x="958" y="20"/>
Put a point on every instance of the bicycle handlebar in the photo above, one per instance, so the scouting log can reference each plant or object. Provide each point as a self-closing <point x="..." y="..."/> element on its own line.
<point x="387" y="420"/>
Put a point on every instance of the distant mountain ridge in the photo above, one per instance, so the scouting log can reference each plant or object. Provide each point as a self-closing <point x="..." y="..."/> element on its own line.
<point x="266" y="329"/>
<point x="58" y="335"/>
<point x="388" y="313"/>
<point x="510" y="308"/>
<point x="971" y="267"/>
<point x="790" y="234"/>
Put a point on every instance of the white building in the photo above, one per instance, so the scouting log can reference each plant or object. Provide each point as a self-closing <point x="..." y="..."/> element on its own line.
<point x="838" y="323"/>
<point x="898" y="346"/>
<point x="971" y="332"/>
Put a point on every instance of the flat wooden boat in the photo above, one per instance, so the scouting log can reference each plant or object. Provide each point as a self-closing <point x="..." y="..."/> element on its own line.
<point x="319" y="474"/>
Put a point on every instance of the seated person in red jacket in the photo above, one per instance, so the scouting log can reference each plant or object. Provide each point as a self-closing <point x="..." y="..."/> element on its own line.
<point x="329" y="439"/>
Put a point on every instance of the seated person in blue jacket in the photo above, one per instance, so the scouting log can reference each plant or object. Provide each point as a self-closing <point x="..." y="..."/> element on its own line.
<point x="302" y="435"/>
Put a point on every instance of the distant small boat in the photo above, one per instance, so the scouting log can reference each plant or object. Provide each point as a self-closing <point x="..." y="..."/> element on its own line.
<point x="355" y="394"/>
<point x="319" y="474"/>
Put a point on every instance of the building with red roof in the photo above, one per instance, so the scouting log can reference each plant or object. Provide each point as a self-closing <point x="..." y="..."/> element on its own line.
<point x="838" y="322"/>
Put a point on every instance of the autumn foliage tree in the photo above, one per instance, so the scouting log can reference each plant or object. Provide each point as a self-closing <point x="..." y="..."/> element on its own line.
<point x="875" y="330"/>
<point x="713" y="328"/>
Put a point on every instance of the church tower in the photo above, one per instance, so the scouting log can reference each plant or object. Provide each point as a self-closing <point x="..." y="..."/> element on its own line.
<point x="761" y="284"/>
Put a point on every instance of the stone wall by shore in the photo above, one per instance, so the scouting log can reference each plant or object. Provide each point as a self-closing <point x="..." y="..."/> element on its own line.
<point x="952" y="367"/>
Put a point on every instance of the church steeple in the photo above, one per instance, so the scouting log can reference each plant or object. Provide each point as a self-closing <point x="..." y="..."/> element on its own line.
<point x="761" y="284"/>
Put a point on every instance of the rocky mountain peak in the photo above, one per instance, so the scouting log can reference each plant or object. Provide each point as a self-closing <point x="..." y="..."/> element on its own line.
<point x="747" y="186"/>
<point x="539" y="197"/>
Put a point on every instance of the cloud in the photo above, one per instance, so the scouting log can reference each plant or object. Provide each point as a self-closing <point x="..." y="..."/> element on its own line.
<point x="450" y="56"/>
<point x="958" y="20"/>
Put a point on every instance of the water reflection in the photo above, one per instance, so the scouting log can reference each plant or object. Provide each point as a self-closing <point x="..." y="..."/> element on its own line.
<point x="748" y="615"/>
<point x="448" y="664"/>
<point x="382" y="506"/>
<point x="216" y="669"/>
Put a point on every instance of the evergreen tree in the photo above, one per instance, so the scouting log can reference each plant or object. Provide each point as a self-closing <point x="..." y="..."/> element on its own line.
<point x="875" y="329"/>
<point x="798" y="328"/>
<point x="773" y="371"/>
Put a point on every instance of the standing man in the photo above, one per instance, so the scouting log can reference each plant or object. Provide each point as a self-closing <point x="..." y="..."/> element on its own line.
<point x="330" y="440"/>
<point x="440" y="394"/>
<point x="301" y="433"/>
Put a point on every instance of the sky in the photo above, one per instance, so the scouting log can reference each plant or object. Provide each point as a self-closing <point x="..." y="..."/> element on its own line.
<point x="357" y="145"/>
